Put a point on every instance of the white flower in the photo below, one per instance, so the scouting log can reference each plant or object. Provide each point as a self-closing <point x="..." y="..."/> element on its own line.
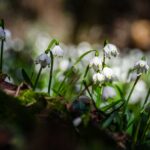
<point x="43" y="60"/>
<point x="108" y="92"/>
<point x="57" y="51"/>
<point x="110" y="50"/>
<point x="141" y="66"/>
<point x="98" y="78"/>
<point x="96" y="63"/>
<point x="2" y="34"/>
<point x="77" y="121"/>
<point x="108" y="73"/>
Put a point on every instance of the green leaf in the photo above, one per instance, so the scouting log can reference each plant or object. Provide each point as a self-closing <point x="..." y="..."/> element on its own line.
<point x="120" y="91"/>
<point x="108" y="121"/>
<point x="82" y="56"/>
<point x="26" y="78"/>
<point x="105" y="108"/>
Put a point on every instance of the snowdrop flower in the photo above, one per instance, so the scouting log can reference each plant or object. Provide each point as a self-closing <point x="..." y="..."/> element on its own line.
<point x="96" y="63"/>
<point x="108" y="92"/>
<point x="141" y="66"/>
<point x="2" y="34"/>
<point x="108" y="73"/>
<point x="43" y="60"/>
<point x="57" y="51"/>
<point x="110" y="50"/>
<point x="77" y="121"/>
<point x="98" y="78"/>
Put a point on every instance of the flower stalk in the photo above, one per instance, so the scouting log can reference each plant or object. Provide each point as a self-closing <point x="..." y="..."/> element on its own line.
<point x="129" y="96"/>
<point x="2" y="47"/>
<point x="51" y="72"/>
<point x="53" y="42"/>
<point x="1" y="61"/>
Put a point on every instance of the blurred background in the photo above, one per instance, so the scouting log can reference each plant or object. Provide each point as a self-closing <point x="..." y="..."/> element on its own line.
<point x="31" y="24"/>
<point x="124" y="22"/>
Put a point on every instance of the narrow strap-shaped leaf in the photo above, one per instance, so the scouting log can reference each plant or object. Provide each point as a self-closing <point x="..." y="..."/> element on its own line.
<point x="26" y="77"/>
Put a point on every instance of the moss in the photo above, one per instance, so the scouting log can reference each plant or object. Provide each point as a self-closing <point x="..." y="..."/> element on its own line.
<point x="12" y="113"/>
<point x="29" y="97"/>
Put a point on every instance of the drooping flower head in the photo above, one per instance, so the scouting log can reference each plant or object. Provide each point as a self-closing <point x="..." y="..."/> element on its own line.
<point x="96" y="63"/>
<point x="110" y="50"/>
<point x="2" y="34"/>
<point x="98" y="78"/>
<point x="57" y="51"/>
<point x="141" y="66"/>
<point x="108" y="73"/>
<point x="108" y="92"/>
<point x="43" y="60"/>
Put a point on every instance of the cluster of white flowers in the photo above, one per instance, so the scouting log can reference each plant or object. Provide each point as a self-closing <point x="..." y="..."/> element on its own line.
<point x="106" y="73"/>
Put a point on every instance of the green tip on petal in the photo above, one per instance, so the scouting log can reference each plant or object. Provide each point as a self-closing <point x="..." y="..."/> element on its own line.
<point x="106" y="42"/>
<point x="97" y="53"/>
<point x="143" y="58"/>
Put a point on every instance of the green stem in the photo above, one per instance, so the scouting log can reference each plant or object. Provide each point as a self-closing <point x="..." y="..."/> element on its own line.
<point x="135" y="137"/>
<point x="146" y="98"/>
<point x="1" y="61"/>
<point x="53" y="41"/>
<point x="37" y="78"/>
<point x="129" y="96"/>
<point x="145" y="129"/>
<point x="103" y="63"/>
<point x="84" y="76"/>
<point x="51" y="72"/>
<point x="93" y="102"/>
